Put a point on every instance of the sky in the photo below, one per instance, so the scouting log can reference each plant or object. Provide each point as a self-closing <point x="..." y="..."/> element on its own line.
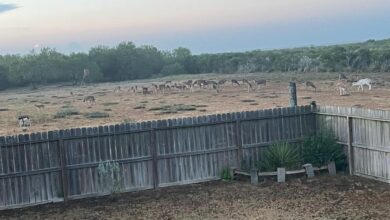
<point x="203" y="26"/>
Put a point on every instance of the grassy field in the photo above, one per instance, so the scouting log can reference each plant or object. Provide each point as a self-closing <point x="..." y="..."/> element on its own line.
<point x="53" y="107"/>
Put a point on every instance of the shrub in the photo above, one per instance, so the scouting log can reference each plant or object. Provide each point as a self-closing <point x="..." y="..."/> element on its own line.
<point x="321" y="148"/>
<point x="225" y="174"/>
<point x="96" y="115"/>
<point x="109" y="176"/>
<point x="63" y="113"/>
<point x="279" y="155"/>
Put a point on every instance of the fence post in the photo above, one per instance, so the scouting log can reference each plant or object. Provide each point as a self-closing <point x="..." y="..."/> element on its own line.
<point x="293" y="94"/>
<point x="239" y="143"/>
<point x="63" y="169"/>
<point x="153" y="145"/>
<point x="350" y="147"/>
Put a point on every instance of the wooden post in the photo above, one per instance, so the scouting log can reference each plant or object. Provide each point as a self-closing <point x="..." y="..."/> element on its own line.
<point x="293" y="94"/>
<point x="64" y="172"/>
<point x="309" y="170"/>
<point x="281" y="175"/>
<point x="153" y="145"/>
<point x="239" y="143"/>
<point x="254" y="177"/>
<point x="332" y="168"/>
<point x="350" y="147"/>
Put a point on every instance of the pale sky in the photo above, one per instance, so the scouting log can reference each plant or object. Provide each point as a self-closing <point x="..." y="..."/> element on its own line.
<point x="200" y="25"/>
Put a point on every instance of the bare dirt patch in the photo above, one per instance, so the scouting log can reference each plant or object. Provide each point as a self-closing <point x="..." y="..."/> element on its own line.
<point x="126" y="106"/>
<point x="339" y="197"/>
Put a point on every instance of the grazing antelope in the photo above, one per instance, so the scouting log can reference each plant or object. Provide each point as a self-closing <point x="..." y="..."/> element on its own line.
<point x="40" y="106"/>
<point x="235" y="82"/>
<point x="117" y="89"/>
<point x="221" y="82"/>
<point x="361" y="84"/>
<point x="216" y="88"/>
<point x="310" y="84"/>
<point x="342" y="76"/>
<point x="90" y="99"/>
<point x="199" y="82"/>
<point x="145" y="90"/>
<point x="24" y="121"/>
<point x="250" y="86"/>
<point x="260" y="82"/>
<point x="245" y="81"/>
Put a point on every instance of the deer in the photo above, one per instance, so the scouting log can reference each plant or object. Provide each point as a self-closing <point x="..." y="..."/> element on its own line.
<point x="342" y="76"/>
<point x="260" y="82"/>
<point x="310" y="84"/>
<point x="117" y="89"/>
<point x="40" y="106"/>
<point x="235" y="82"/>
<point x="342" y="88"/>
<point x="24" y="121"/>
<point x="221" y="82"/>
<point x="85" y="76"/>
<point x="250" y="86"/>
<point x="363" y="82"/>
<point x="90" y="100"/>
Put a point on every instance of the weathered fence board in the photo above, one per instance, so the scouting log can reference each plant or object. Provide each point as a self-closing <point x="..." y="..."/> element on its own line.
<point x="369" y="152"/>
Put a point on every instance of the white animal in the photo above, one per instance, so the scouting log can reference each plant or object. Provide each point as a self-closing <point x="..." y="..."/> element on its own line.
<point x="363" y="82"/>
<point x="24" y="121"/>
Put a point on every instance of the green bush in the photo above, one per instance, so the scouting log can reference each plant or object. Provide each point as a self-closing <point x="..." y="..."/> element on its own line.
<point x="279" y="155"/>
<point x="63" y="113"/>
<point x="96" y="115"/>
<point x="321" y="148"/>
<point x="225" y="174"/>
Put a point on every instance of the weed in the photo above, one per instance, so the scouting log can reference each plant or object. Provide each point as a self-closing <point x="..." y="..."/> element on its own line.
<point x="96" y="115"/>
<point x="110" y="103"/>
<point x="63" y="113"/>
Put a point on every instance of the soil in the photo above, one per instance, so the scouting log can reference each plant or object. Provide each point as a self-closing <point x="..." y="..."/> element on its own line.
<point x="125" y="106"/>
<point x="324" y="197"/>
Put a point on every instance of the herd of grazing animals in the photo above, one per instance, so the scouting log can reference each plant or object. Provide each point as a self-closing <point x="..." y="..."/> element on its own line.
<point x="342" y="85"/>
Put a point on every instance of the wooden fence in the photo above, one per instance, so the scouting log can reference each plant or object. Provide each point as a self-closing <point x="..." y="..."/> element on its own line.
<point x="366" y="135"/>
<point x="60" y="165"/>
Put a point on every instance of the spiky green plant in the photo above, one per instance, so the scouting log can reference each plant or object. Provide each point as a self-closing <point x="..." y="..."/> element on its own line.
<point x="279" y="155"/>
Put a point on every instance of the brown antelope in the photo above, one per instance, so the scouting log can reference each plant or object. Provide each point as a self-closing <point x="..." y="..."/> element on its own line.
<point x="117" y="89"/>
<point x="260" y="82"/>
<point x="235" y="82"/>
<point x="310" y="84"/>
<point x="221" y="82"/>
<point x="145" y="90"/>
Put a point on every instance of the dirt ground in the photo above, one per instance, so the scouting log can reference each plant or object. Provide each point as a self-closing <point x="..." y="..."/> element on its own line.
<point x="324" y="197"/>
<point x="125" y="106"/>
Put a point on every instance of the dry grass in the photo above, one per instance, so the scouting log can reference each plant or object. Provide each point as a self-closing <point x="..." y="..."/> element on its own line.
<point x="124" y="105"/>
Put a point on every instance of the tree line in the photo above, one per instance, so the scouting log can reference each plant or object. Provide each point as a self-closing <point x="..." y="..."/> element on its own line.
<point x="127" y="61"/>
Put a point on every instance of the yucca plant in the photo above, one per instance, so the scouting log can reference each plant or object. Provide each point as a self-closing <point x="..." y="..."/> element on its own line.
<point x="279" y="155"/>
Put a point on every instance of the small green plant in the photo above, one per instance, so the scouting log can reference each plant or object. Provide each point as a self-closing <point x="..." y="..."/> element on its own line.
<point x="321" y="148"/>
<point x="63" y="113"/>
<point x="226" y="174"/>
<point x="96" y="115"/>
<point x="110" y="103"/>
<point x="109" y="176"/>
<point x="279" y="155"/>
